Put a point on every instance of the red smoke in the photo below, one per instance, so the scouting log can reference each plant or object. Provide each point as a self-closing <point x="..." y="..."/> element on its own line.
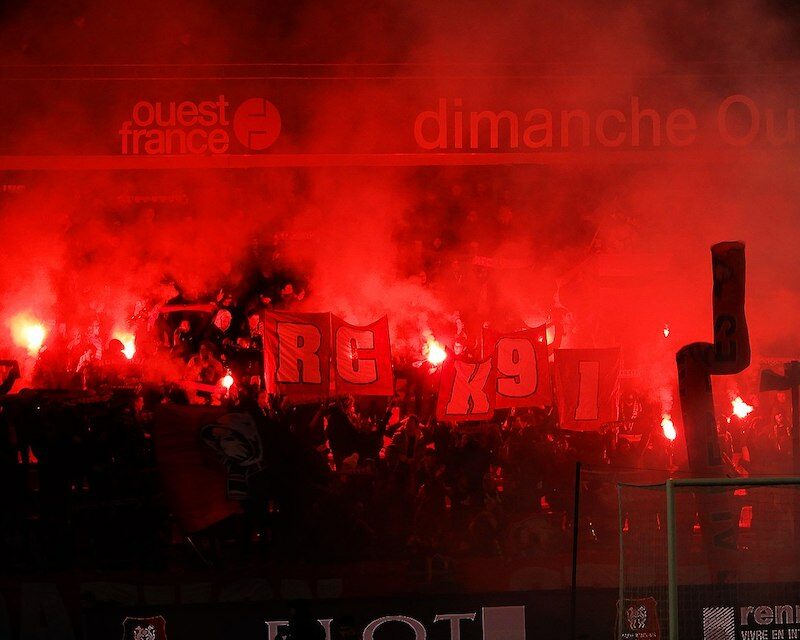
<point x="605" y="247"/>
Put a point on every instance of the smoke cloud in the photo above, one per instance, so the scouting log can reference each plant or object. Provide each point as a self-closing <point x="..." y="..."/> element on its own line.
<point x="611" y="249"/>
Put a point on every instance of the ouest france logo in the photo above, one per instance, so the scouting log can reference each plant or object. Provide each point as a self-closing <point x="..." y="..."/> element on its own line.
<point x="199" y="127"/>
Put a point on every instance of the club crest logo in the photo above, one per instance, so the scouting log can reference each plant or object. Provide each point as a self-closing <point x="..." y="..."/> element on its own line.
<point x="144" y="633"/>
<point x="637" y="617"/>
<point x="152" y="628"/>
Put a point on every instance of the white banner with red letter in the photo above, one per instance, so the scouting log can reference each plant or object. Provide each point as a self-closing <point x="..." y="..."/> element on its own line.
<point x="587" y="384"/>
<point x="297" y="353"/>
<point x="523" y="371"/>
<point x="362" y="358"/>
<point x="466" y="390"/>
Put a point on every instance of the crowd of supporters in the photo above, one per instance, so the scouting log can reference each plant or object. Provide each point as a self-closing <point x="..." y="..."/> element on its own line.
<point x="339" y="481"/>
<point x="342" y="480"/>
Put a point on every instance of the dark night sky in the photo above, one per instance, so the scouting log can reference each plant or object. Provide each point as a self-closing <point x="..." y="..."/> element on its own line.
<point x="83" y="32"/>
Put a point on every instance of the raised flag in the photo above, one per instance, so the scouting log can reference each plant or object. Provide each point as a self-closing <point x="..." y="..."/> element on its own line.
<point x="362" y="358"/>
<point x="195" y="482"/>
<point x="297" y="353"/>
<point x="523" y="370"/>
<point x="466" y="390"/>
<point x="587" y="386"/>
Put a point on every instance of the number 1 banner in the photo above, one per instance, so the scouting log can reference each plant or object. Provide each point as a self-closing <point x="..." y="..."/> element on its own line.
<point x="587" y="384"/>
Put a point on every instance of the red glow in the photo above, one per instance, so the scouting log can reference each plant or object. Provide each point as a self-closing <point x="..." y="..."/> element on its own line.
<point x="668" y="427"/>
<point x="746" y="517"/>
<point x="740" y="408"/>
<point x="666" y="331"/>
<point x="28" y="332"/>
<point x="434" y="352"/>
<point x="128" y="341"/>
<point x="227" y="381"/>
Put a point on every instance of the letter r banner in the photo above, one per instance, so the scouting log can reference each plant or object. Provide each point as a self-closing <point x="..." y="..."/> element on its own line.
<point x="297" y="354"/>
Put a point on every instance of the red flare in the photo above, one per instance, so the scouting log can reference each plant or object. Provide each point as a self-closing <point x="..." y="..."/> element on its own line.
<point x="434" y="352"/>
<point x="668" y="427"/>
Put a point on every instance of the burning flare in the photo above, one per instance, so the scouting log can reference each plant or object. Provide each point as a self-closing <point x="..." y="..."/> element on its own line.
<point x="28" y="332"/>
<point x="434" y="352"/>
<point x="666" y="331"/>
<point x="128" y="341"/>
<point x="740" y="408"/>
<point x="668" y="427"/>
<point x="227" y="381"/>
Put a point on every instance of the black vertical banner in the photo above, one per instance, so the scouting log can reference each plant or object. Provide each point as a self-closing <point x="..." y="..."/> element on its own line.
<point x="729" y="354"/>
<point x="697" y="407"/>
<point x="731" y="337"/>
